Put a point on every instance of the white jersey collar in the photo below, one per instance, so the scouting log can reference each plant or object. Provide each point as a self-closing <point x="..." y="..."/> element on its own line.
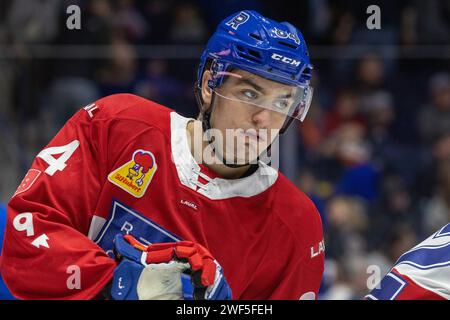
<point x="215" y="189"/>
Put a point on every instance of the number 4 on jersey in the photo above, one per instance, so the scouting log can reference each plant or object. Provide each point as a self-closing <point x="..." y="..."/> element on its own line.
<point x="58" y="164"/>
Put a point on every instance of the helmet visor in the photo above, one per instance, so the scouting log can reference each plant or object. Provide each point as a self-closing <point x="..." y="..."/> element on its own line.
<point x="251" y="89"/>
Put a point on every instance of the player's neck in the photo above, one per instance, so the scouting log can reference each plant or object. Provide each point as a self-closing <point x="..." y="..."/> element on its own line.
<point x="219" y="168"/>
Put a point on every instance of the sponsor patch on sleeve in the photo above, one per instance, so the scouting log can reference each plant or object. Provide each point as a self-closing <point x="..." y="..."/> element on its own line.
<point x="135" y="176"/>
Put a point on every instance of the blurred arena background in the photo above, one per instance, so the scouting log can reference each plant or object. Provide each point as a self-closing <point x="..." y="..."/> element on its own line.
<point x="373" y="153"/>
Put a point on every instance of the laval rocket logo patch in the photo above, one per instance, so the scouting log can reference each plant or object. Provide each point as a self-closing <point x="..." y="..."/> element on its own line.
<point x="135" y="175"/>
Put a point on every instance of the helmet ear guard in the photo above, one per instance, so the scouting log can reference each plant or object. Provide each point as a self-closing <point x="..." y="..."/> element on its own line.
<point x="215" y="81"/>
<point x="218" y="73"/>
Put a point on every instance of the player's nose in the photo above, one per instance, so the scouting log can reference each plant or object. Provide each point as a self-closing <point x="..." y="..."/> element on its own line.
<point x="262" y="117"/>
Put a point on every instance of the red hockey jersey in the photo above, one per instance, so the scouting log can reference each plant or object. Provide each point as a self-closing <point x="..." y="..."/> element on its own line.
<point x="122" y="164"/>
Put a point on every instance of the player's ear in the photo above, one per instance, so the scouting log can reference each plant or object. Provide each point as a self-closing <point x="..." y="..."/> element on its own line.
<point x="206" y="90"/>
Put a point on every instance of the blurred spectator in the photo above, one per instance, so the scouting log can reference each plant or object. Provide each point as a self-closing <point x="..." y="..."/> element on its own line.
<point x="33" y="21"/>
<point x="379" y="112"/>
<point x="427" y="177"/>
<point x="436" y="211"/>
<point x="188" y="26"/>
<point x="360" y="268"/>
<point x="359" y="179"/>
<point x="310" y="131"/>
<point x="119" y="73"/>
<point x="4" y="9"/>
<point x="308" y="183"/>
<point x="433" y="22"/>
<point x="157" y="14"/>
<point x="345" y="111"/>
<point x="6" y="88"/>
<point x="400" y="239"/>
<point x="347" y="221"/>
<point x="352" y="30"/>
<point x="356" y="12"/>
<point x="130" y="21"/>
<point x="434" y="119"/>
<point x="395" y="206"/>
<point x="408" y="28"/>
<point x="157" y="85"/>
<point x="66" y="95"/>
<point x="370" y="73"/>
<point x="10" y="160"/>
<point x="350" y="160"/>
<point x="441" y="150"/>
<point x="348" y="259"/>
<point x="343" y="133"/>
<point x="335" y="284"/>
<point x="99" y="24"/>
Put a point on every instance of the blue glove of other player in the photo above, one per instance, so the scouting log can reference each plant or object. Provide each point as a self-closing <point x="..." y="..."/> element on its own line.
<point x="166" y="271"/>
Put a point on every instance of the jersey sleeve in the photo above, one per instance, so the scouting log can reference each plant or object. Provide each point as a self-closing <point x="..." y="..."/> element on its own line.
<point x="421" y="273"/>
<point x="396" y="286"/>
<point x="304" y="270"/>
<point x="46" y="253"/>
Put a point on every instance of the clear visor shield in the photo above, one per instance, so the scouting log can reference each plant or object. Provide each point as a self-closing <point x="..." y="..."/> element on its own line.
<point x="250" y="89"/>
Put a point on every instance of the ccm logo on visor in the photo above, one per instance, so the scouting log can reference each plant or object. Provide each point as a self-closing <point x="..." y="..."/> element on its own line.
<point x="284" y="59"/>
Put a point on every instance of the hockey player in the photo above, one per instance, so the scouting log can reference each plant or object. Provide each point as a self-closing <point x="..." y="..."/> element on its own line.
<point x="422" y="273"/>
<point x="131" y="200"/>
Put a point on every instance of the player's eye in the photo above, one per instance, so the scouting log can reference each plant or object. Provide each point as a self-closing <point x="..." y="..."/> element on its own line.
<point x="249" y="94"/>
<point x="281" y="104"/>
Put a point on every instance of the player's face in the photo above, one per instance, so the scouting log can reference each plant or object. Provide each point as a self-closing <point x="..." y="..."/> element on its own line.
<point x="236" y="109"/>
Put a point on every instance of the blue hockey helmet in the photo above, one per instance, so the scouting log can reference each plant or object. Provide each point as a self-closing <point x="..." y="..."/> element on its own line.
<point x="274" y="50"/>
